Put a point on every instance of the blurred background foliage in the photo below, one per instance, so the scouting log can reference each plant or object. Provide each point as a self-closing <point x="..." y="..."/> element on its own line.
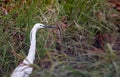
<point x="86" y="45"/>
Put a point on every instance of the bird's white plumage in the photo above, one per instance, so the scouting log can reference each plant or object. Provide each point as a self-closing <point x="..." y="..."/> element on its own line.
<point x="24" y="69"/>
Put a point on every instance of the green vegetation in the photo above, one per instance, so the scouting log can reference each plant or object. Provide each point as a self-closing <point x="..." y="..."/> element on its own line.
<point x="76" y="54"/>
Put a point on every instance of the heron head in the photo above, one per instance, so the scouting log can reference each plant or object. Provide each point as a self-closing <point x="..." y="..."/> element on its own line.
<point x="39" y="25"/>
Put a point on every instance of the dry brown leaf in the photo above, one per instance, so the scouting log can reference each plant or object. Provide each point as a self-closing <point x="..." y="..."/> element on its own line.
<point x="100" y="16"/>
<point x="115" y="4"/>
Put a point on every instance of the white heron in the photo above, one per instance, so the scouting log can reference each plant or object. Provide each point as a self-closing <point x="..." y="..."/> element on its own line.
<point x="24" y="69"/>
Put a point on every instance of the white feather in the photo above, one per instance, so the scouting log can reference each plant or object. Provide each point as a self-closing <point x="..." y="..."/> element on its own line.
<point x="24" y="69"/>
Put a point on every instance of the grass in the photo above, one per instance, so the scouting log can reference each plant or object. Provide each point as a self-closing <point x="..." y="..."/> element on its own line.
<point x="75" y="55"/>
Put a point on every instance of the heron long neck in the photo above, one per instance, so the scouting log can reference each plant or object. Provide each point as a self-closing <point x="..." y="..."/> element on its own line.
<point x="31" y="54"/>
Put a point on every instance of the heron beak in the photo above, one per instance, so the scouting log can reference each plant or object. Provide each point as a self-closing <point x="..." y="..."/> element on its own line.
<point x="49" y="27"/>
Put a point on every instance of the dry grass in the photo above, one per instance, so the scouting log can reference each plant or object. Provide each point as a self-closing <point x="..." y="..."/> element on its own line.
<point x="85" y="45"/>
